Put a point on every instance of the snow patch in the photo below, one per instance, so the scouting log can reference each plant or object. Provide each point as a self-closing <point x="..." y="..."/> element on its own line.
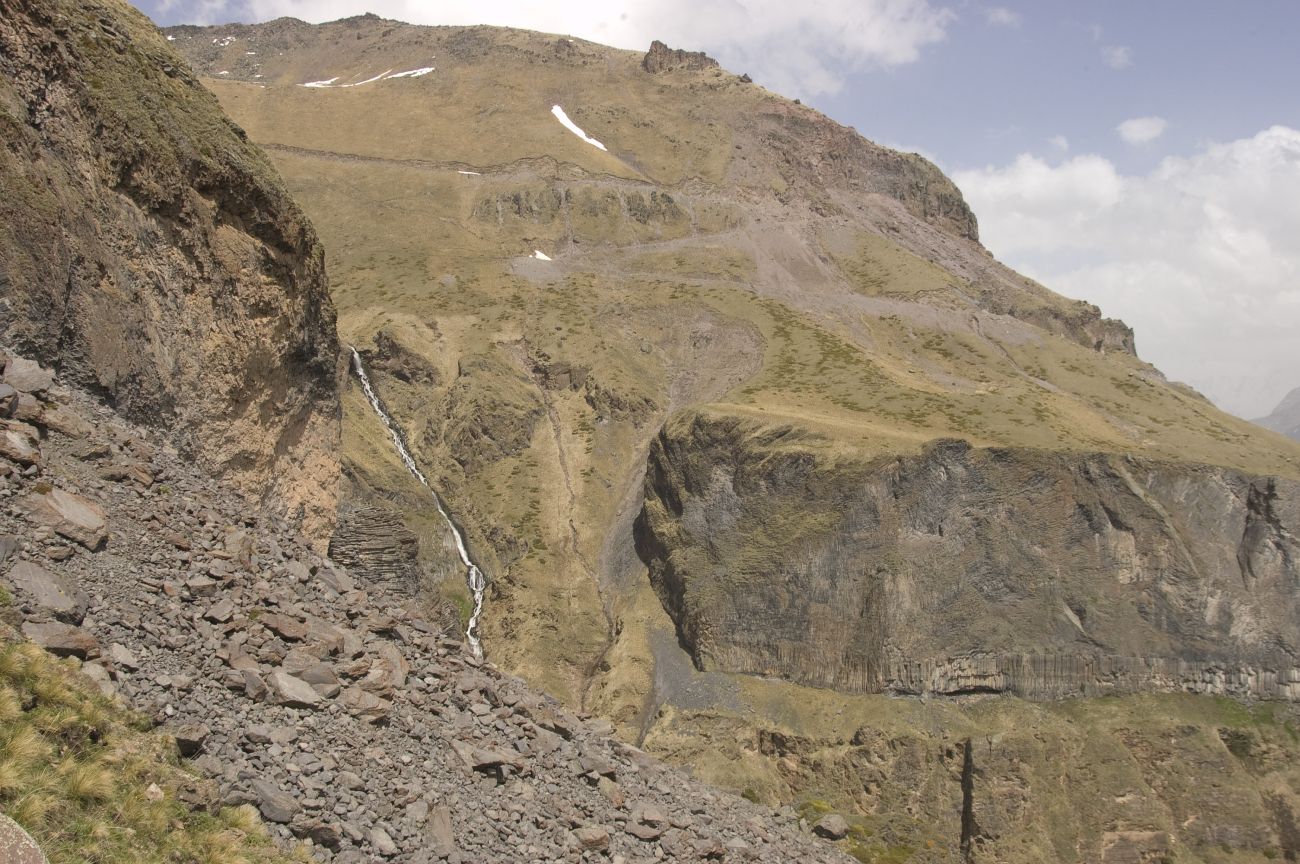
<point x="413" y="73"/>
<point x="223" y="42"/>
<point x="471" y="173"/>
<point x="382" y="76"/>
<point x="540" y="255"/>
<point x="573" y="127"/>
<point x="368" y="80"/>
<point x="171" y="38"/>
<point x="224" y="72"/>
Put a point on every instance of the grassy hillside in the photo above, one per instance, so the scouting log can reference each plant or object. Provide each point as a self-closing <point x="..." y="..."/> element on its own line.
<point x="730" y="252"/>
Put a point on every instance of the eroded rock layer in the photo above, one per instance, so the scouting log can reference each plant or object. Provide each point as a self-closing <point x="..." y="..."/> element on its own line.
<point x="965" y="570"/>
<point x="151" y="254"/>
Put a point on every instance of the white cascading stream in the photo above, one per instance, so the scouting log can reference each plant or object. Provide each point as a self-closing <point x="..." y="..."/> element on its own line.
<point x="474" y="576"/>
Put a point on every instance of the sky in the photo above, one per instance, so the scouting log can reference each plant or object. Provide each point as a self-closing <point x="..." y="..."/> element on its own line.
<point x="1142" y="156"/>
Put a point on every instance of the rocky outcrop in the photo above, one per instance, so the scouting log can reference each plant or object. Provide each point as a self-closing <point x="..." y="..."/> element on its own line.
<point x="815" y="151"/>
<point x="376" y="544"/>
<point x="660" y="58"/>
<point x="964" y="571"/>
<point x="492" y="410"/>
<point x="149" y="253"/>
<point x="392" y="357"/>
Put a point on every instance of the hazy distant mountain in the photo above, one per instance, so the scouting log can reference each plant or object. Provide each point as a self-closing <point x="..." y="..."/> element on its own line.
<point x="1286" y="416"/>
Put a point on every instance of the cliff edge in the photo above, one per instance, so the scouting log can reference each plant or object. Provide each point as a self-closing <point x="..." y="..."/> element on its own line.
<point x="151" y="254"/>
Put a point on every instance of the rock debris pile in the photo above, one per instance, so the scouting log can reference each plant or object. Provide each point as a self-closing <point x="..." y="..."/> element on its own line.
<point x="350" y="722"/>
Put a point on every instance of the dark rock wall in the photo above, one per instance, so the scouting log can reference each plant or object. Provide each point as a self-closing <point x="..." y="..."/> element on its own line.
<point x="963" y="570"/>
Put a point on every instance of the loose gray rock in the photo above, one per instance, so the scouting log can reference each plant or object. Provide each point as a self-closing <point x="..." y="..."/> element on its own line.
<point x="292" y="692"/>
<point x="62" y="640"/>
<point x="28" y="375"/>
<point x="59" y="594"/>
<point x="79" y="519"/>
<point x="274" y="804"/>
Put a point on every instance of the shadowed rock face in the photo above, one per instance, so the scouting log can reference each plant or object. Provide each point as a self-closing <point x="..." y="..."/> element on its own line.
<point x="151" y="254"/>
<point x="964" y="570"/>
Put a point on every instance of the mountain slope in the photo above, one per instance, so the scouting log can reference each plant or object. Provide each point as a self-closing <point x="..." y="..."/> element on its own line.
<point x="750" y="326"/>
<point x="150" y="253"/>
<point x="729" y="248"/>
<point x="1286" y="416"/>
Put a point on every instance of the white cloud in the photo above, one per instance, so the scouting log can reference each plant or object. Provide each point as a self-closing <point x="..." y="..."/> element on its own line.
<point x="1199" y="255"/>
<point x="1060" y="142"/>
<point x="1117" y="56"/>
<point x="1001" y="16"/>
<point x="1141" y="130"/>
<point x="798" y="49"/>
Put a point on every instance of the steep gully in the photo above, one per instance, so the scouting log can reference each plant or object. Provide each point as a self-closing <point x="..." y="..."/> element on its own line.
<point x="474" y="576"/>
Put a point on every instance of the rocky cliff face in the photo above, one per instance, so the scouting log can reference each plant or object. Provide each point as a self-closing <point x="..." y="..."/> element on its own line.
<point x="966" y="570"/>
<point x="151" y="254"/>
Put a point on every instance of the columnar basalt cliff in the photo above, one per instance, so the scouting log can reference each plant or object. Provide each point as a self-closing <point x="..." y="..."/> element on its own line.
<point x="151" y="254"/>
<point x="965" y="570"/>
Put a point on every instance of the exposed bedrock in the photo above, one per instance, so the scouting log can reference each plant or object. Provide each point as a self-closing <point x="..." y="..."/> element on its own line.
<point x="375" y="543"/>
<point x="150" y="254"/>
<point x="960" y="570"/>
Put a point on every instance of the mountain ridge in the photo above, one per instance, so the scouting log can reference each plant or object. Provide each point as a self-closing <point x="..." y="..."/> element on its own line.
<point x="1285" y="418"/>
<point x="673" y="348"/>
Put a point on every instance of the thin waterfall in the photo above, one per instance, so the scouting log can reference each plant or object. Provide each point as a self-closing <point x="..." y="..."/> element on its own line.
<point x="474" y="576"/>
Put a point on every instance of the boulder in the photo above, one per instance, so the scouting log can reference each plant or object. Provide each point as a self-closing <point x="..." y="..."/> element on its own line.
<point x="592" y="837"/>
<point x="72" y="516"/>
<point x="17" y="445"/>
<point x="274" y="804"/>
<point x="387" y="672"/>
<point x="485" y="759"/>
<point x="382" y="842"/>
<point x="27" y="375"/>
<point x="67" y="422"/>
<point x="365" y="706"/>
<point x="292" y="692"/>
<point x="439" y="835"/>
<point x="62" y="640"/>
<point x="122" y="656"/>
<point x="8" y="400"/>
<point x="832" y="827"/>
<point x="285" y="626"/>
<point x="322" y="679"/>
<point x="190" y="738"/>
<point x="16" y="845"/>
<point x="220" y="612"/>
<point x="59" y="594"/>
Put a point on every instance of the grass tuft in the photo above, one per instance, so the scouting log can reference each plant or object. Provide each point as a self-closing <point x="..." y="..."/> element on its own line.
<point x="74" y="768"/>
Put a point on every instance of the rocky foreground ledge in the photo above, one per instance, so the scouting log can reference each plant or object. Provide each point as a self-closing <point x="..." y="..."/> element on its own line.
<point x="350" y="722"/>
